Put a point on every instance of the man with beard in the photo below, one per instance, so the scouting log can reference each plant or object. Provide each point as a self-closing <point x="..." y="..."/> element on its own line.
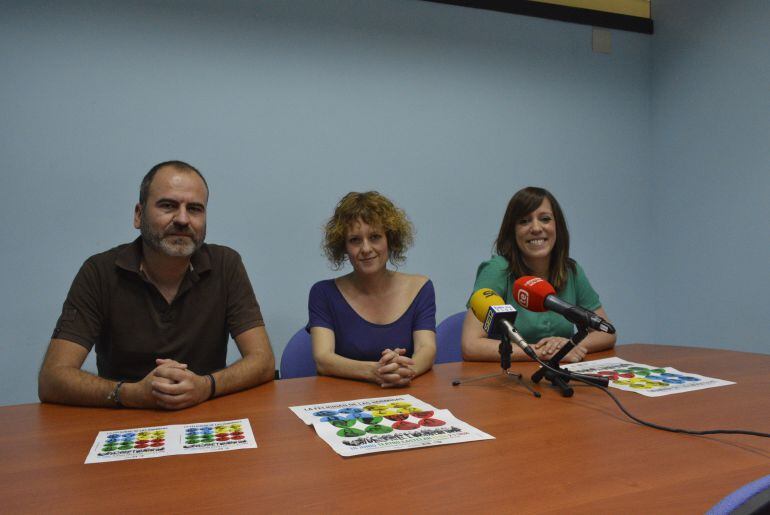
<point x="159" y="311"/>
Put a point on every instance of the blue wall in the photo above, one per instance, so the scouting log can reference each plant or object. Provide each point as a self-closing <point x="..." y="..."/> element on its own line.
<point x="287" y="105"/>
<point x="711" y="173"/>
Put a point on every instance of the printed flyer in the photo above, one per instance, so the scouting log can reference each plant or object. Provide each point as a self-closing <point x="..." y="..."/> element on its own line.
<point x="364" y="426"/>
<point x="646" y="380"/>
<point x="154" y="442"/>
<point x="329" y="411"/>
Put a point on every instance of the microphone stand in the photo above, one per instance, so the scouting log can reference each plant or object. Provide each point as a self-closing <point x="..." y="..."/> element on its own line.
<point x="505" y="364"/>
<point x="559" y="377"/>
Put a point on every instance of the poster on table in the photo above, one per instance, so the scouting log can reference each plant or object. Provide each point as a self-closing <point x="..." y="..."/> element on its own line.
<point x="647" y="380"/>
<point x="154" y="442"/>
<point x="364" y="426"/>
<point x="329" y="411"/>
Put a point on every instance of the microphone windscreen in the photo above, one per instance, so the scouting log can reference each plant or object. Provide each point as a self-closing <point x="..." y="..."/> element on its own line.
<point x="482" y="300"/>
<point x="530" y="292"/>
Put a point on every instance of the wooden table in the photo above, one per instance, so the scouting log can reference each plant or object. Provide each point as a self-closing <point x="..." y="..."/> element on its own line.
<point x="550" y="455"/>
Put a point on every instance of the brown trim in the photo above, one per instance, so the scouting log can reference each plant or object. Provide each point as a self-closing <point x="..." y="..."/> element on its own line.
<point x="560" y="13"/>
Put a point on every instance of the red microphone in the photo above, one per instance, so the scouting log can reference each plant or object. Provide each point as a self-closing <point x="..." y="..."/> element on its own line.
<point x="531" y="292"/>
<point x="536" y="294"/>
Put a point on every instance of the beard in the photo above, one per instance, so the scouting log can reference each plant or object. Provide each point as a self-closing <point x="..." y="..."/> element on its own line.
<point x="170" y="242"/>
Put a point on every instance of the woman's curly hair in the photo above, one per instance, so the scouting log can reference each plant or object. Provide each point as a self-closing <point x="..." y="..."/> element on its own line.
<point x="373" y="209"/>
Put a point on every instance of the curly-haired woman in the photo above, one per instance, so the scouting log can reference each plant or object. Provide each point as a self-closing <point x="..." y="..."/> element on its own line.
<point x="373" y="324"/>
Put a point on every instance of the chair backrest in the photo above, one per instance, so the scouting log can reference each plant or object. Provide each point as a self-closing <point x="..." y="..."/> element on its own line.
<point x="750" y="499"/>
<point x="448" y="339"/>
<point x="297" y="358"/>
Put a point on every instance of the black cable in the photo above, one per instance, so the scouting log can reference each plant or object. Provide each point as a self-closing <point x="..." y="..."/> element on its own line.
<point x="640" y="421"/>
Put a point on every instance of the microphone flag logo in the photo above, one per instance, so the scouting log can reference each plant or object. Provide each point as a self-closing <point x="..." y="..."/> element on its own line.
<point x="522" y="297"/>
<point x="488" y="321"/>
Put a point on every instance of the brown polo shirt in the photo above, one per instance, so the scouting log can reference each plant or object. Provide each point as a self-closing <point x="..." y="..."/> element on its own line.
<point x="112" y="306"/>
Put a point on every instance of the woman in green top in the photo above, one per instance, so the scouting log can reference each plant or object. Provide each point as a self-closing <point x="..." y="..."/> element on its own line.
<point x="534" y="240"/>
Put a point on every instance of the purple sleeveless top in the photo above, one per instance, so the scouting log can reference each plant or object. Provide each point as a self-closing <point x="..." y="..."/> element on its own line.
<point x="359" y="339"/>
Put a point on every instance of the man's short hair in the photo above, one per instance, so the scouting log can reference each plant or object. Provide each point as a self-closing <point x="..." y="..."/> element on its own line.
<point x="144" y="188"/>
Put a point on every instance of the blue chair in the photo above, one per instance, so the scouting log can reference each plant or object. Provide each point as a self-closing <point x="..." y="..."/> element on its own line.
<point x="753" y="498"/>
<point x="297" y="358"/>
<point x="448" y="338"/>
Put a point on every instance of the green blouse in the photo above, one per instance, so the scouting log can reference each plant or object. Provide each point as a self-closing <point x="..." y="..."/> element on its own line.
<point x="533" y="326"/>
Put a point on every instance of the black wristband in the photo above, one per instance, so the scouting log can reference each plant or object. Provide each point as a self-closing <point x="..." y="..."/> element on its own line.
<point x="213" y="385"/>
<point x="114" y="396"/>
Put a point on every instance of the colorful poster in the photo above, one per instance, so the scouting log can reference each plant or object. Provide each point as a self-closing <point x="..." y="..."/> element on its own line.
<point x="646" y="380"/>
<point x="363" y="426"/>
<point x="329" y="411"/>
<point x="217" y="436"/>
<point x="154" y="442"/>
<point x="129" y="444"/>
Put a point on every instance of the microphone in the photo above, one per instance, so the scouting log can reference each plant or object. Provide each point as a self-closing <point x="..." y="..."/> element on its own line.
<point x="497" y="318"/>
<point x="537" y="294"/>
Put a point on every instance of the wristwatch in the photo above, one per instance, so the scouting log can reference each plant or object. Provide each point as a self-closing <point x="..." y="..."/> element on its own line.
<point x="114" y="395"/>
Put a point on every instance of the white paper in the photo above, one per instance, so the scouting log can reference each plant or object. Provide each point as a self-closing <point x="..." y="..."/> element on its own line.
<point x="378" y="434"/>
<point x="228" y="435"/>
<point x="395" y="405"/>
<point x="646" y="380"/>
<point x="363" y="426"/>
<point x="154" y="442"/>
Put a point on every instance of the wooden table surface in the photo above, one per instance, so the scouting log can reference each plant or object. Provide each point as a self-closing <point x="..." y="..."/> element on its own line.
<point x="550" y="455"/>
